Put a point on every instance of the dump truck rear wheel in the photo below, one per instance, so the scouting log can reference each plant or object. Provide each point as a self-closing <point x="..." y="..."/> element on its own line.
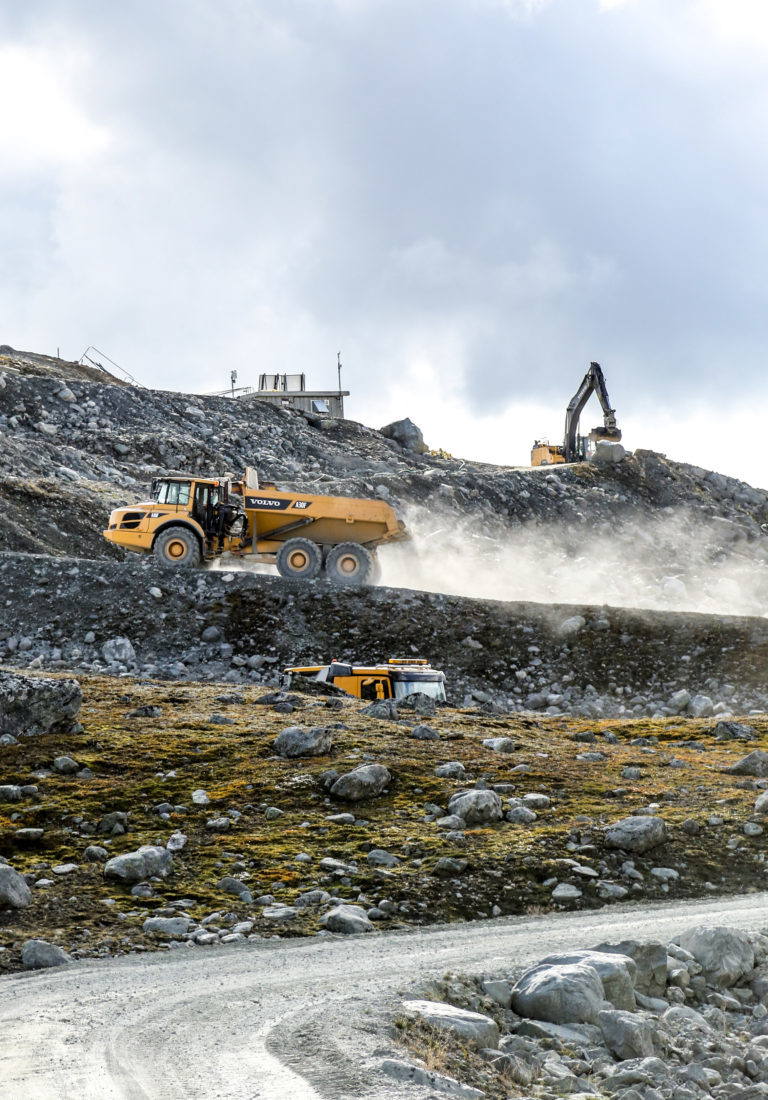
<point x="300" y="559"/>
<point x="349" y="564"/>
<point x="178" y="547"/>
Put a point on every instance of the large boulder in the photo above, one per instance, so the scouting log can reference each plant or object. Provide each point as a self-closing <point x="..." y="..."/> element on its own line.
<point x="406" y="434"/>
<point x="636" y="834"/>
<point x="298" y="741"/>
<point x="568" y="994"/>
<point x="119" y="651"/>
<point x="617" y="973"/>
<point x="39" y="954"/>
<point x="754" y="763"/>
<point x="136" y="866"/>
<point x="367" y="781"/>
<point x="385" y="709"/>
<point x="472" y="1028"/>
<point x="30" y="705"/>
<point x="724" y="954"/>
<point x="734" y="731"/>
<point x="650" y="959"/>
<point x="625" y="1034"/>
<point x="608" y="452"/>
<point x="477" y="807"/>
<point x="14" y="892"/>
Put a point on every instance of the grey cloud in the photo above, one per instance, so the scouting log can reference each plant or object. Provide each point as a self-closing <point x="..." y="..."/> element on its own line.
<point x="289" y="175"/>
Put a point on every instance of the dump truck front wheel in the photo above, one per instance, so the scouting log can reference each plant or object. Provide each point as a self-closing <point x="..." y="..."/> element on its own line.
<point x="179" y="547"/>
<point x="349" y="564"/>
<point x="300" y="559"/>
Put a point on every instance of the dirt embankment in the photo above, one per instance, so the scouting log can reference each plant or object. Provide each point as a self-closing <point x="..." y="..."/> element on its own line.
<point x="598" y="662"/>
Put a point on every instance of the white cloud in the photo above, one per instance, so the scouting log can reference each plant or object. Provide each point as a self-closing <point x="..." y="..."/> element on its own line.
<point x="41" y="124"/>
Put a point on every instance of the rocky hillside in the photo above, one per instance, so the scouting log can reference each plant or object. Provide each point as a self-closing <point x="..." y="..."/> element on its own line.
<point x="136" y="618"/>
<point x="646" y="532"/>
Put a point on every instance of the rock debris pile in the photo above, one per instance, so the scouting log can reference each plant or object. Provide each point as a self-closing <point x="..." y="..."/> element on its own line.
<point x="630" y="1020"/>
<point x="642" y="532"/>
<point x="134" y="617"/>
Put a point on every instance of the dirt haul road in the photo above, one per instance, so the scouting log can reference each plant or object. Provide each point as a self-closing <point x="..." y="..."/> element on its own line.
<point x="279" y="1019"/>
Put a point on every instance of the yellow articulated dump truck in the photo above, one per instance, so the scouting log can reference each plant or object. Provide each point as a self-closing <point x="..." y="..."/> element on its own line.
<point x="394" y="680"/>
<point x="192" y="520"/>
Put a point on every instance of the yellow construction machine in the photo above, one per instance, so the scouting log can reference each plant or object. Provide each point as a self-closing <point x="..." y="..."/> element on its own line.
<point x="396" y="679"/>
<point x="575" y="447"/>
<point x="190" y="520"/>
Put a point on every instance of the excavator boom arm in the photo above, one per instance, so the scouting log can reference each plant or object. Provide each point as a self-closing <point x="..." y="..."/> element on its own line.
<point x="592" y="382"/>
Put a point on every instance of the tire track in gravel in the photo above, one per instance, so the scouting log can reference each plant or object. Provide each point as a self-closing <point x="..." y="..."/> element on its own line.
<point x="305" y="1019"/>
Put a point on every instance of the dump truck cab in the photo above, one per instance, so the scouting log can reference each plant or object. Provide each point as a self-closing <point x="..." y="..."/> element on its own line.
<point x="396" y="679"/>
<point x="186" y="520"/>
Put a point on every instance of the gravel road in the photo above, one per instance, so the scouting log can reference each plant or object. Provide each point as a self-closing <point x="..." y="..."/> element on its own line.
<point x="280" y="1019"/>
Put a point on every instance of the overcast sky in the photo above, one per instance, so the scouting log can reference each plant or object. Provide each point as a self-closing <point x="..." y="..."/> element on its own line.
<point x="471" y="199"/>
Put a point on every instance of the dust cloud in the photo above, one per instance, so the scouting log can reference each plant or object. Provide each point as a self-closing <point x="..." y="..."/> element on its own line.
<point x="674" y="562"/>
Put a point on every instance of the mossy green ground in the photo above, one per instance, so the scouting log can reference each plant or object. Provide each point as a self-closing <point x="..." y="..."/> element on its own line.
<point x="139" y="763"/>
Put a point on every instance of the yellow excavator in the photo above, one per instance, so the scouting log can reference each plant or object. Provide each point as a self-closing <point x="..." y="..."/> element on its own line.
<point x="575" y="447"/>
<point x="396" y="679"/>
<point x="191" y="520"/>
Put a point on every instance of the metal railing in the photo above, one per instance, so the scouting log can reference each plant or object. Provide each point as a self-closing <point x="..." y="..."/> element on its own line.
<point x="100" y="366"/>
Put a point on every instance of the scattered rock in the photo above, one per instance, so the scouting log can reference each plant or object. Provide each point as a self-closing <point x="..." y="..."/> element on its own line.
<point x="472" y="1028"/>
<point x="365" y="782"/>
<point x="755" y="763"/>
<point x="636" y="834"/>
<point x="724" y="954"/>
<point x="65" y="765"/>
<point x="14" y="892"/>
<point x="297" y="741"/>
<point x="119" y="651"/>
<point x="425" y="733"/>
<point x="453" y="769"/>
<point x="348" y="919"/>
<point x="38" y="955"/>
<point x="476" y="807"/>
<point x="135" y="866"/>
<point x="625" y="1034"/>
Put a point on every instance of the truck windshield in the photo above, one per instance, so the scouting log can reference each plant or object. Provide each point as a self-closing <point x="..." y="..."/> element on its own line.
<point x="173" y="492"/>
<point x="434" y="688"/>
